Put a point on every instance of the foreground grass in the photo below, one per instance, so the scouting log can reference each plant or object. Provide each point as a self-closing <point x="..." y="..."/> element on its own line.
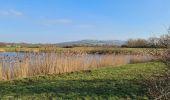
<point x="115" y="83"/>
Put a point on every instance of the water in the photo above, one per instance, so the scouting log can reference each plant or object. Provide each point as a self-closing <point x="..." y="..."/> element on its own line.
<point x="8" y="53"/>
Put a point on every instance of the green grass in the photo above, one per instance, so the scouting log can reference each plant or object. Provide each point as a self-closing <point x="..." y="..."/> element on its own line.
<point x="114" y="83"/>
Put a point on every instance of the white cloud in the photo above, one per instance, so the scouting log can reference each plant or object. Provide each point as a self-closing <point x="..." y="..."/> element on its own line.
<point x="15" y="12"/>
<point x="63" y="22"/>
<point x="4" y="13"/>
<point x="84" y="26"/>
<point x="57" y="21"/>
<point x="10" y="12"/>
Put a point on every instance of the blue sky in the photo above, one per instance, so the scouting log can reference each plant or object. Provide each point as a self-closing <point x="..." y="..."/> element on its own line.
<point x="52" y="21"/>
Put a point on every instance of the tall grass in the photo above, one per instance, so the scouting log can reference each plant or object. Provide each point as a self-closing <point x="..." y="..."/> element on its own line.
<point x="0" y="72"/>
<point x="31" y="64"/>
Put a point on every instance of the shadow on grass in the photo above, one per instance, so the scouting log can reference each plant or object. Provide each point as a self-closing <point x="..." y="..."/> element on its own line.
<point x="69" y="89"/>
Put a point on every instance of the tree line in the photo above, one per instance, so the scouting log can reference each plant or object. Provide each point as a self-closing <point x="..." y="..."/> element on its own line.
<point x="152" y="42"/>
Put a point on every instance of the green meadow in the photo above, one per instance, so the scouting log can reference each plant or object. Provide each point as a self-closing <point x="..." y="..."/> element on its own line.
<point x="125" y="82"/>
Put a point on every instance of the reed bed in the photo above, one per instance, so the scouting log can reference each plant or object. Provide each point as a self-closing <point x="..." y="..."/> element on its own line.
<point x="21" y="65"/>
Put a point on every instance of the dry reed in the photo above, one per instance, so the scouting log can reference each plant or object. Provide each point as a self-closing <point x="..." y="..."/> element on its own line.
<point x="30" y="64"/>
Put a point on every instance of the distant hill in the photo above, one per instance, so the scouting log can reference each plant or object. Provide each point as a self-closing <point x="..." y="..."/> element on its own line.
<point x="93" y="43"/>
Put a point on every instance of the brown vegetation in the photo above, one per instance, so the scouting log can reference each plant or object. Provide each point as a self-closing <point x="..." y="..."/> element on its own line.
<point x="159" y="87"/>
<point x="30" y="64"/>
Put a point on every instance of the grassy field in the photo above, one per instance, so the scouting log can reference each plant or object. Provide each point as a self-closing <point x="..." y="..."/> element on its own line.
<point x="14" y="49"/>
<point x="78" y="50"/>
<point x="112" y="82"/>
<point x="89" y="50"/>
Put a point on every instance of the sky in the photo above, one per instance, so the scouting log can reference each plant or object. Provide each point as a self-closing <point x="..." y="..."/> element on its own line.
<point x="53" y="21"/>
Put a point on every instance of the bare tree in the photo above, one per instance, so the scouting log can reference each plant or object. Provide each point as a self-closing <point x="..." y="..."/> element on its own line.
<point x="137" y="43"/>
<point x="159" y="86"/>
<point x="153" y="42"/>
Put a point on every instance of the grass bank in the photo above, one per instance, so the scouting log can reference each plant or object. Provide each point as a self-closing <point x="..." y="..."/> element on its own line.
<point x="114" y="83"/>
